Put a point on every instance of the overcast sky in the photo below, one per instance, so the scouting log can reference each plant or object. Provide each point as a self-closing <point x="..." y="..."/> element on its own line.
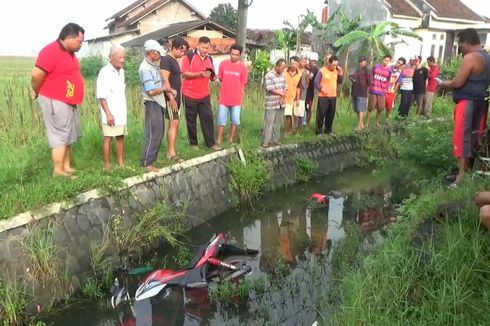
<point x="26" y="26"/>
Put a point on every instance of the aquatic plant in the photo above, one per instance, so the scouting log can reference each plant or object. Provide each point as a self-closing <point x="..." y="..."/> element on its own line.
<point x="305" y="168"/>
<point x="247" y="180"/>
<point x="13" y="302"/>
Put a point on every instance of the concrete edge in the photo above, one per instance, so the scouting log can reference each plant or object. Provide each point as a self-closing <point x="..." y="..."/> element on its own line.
<point x="55" y="208"/>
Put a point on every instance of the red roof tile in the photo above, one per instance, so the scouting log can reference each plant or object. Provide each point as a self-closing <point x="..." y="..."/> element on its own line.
<point x="217" y="46"/>
<point x="402" y="8"/>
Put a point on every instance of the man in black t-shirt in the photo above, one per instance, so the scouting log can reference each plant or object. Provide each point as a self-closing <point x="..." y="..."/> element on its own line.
<point x="170" y="71"/>
<point x="310" y="92"/>
<point x="420" y="76"/>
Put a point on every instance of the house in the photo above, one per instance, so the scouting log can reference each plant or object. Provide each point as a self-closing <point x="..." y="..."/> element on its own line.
<point x="436" y="21"/>
<point x="221" y="37"/>
<point x="142" y="17"/>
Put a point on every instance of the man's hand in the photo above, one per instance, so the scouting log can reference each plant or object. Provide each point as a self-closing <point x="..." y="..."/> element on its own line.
<point x="205" y="74"/>
<point x="33" y="95"/>
<point x="482" y="198"/>
<point x="110" y="120"/>
<point x="173" y="104"/>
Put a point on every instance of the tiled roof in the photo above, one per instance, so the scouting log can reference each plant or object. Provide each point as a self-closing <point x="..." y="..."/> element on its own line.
<point x="217" y="46"/>
<point x="454" y="9"/>
<point x="402" y="8"/>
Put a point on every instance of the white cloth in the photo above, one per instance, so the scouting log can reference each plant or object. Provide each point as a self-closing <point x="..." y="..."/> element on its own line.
<point x="112" y="87"/>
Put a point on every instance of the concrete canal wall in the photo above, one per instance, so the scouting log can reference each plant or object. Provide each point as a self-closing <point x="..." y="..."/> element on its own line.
<point x="198" y="186"/>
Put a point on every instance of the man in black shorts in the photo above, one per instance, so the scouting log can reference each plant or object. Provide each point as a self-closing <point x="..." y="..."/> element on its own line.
<point x="170" y="70"/>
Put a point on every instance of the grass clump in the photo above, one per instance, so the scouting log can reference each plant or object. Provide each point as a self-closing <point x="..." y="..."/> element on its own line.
<point x="13" y="303"/>
<point x="247" y="180"/>
<point x="305" y="168"/>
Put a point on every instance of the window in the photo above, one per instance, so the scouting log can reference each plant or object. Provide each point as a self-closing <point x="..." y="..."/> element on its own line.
<point x="441" y="49"/>
<point x="434" y="37"/>
<point x="432" y="50"/>
<point x="442" y="37"/>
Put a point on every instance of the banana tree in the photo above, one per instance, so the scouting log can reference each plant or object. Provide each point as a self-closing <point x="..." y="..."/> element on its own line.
<point x="371" y="38"/>
<point x="306" y="20"/>
<point x="343" y="25"/>
<point x="285" y="39"/>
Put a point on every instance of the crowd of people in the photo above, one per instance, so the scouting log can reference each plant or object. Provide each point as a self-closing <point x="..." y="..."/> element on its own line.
<point x="290" y="89"/>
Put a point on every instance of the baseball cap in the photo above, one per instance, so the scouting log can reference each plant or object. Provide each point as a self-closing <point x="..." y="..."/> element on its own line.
<point x="152" y="45"/>
<point x="361" y="58"/>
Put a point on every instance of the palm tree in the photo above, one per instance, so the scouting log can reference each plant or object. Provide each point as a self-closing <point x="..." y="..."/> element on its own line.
<point x="371" y="38"/>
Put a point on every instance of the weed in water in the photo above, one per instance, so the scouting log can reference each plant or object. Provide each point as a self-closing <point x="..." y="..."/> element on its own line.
<point x="305" y="168"/>
<point x="247" y="180"/>
<point x="13" y="302"/>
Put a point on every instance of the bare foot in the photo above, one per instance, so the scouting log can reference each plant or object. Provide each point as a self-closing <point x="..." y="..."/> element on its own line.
<point x="107" y="168"/>
<point x="151" y="168"/>
<point x="70" y="170"/>
<point x="64" y="175"/>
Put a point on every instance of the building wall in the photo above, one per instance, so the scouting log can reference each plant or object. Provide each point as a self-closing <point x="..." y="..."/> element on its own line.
<point x="103" y="47"/>
<point x="197" y="33"/>
<point x="173" y="12"/>
<point x="136" y="11"/>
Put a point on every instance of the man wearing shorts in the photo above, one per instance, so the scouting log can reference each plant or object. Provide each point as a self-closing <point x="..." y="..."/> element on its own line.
<point x="470" y="91"/>
<point x="293" y="79"/>
<point x="393" y="86"/>
<point x="170" y="71"/>
<point x="233" y="76"/>
<point x="111" y="94"/>
<point x="154" y="99"/>
<point x="57" y="84"/>
<point x="431" y="85"/>
<point x="361" y="80"/>
<point x="376" y="100"/>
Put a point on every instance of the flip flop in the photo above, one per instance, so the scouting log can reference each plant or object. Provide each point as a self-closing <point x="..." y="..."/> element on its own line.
<point x="175" y="158"/>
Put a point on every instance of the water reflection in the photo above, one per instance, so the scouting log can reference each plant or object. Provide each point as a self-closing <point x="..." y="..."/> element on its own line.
<point x="283" y="226"/>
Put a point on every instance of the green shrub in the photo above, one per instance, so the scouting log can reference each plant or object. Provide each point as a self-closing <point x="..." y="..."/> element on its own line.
<point x="13" y="303"/>
<point x="132" y="63"/>
<point x="247" y="180"/>
<point x="91" y="65"/>
<point x="450" y="67"/>
<point x="305" y="168"/>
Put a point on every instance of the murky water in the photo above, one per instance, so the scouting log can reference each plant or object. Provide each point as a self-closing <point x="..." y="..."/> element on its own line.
<point x="294" y="243"/>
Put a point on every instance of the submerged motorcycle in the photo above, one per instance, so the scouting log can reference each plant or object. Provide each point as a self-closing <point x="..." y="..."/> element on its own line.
<point x="216" y="260"/>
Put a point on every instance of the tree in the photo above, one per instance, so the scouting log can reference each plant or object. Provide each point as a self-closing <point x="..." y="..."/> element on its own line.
<point x="285" y="39"/>
<point x="224" y="14"/>
<point x="306" y="21"/>
<point x="343" y="25"/>
<point x="371" y="39"/>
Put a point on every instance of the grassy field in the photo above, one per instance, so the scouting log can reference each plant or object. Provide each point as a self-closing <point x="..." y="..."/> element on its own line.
<point x="25" y="164"/>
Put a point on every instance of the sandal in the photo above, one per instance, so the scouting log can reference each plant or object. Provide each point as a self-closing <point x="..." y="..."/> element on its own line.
<point x="175" y="158"/>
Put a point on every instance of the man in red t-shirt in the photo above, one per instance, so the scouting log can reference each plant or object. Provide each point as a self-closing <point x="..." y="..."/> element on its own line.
<point x="197" y="71"/>
<point x="57" y="84"/>
<point x="431" y="86"/>
<point x="233" y="76"/>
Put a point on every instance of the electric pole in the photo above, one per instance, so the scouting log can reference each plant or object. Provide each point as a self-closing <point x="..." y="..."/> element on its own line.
<point x="241" y="35"/>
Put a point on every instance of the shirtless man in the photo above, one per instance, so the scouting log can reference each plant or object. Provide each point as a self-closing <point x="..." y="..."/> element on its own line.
<point x="470" y="90"/>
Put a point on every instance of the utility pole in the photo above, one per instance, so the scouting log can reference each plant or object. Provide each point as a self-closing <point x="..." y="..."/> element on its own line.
<point x="241" y="35"/>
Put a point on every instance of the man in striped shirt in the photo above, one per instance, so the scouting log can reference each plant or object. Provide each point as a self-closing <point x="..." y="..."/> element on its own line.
<point x="377" y="91"/>
<point x="275" y="91"/>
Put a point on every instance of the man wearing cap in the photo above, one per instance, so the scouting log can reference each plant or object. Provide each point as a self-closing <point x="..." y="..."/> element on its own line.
<point x="310" y="92"/>
<point x="381" y="76"/>
<point x="361" y="79"/>
<point x="197" y="71"/>
<point x="154" y="100"/>
<point x="57" y="84"/>
<point x="470" y="92"/>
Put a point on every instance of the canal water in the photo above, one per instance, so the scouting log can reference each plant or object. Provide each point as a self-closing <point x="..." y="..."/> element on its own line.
<point x="295" y="239"/>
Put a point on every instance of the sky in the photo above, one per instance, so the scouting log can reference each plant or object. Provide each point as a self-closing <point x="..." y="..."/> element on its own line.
<point x="28" y="32"/>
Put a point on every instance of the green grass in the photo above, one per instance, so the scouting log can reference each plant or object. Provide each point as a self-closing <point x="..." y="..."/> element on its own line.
<point x="25" y="163"/>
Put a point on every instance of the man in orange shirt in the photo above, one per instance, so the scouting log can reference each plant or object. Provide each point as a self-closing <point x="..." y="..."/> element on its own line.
<point x="326" y="81"/>
<point x="293" y="78"/>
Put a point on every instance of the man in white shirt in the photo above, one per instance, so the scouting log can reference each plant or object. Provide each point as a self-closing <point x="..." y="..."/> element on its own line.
<point x="112" y="98"/>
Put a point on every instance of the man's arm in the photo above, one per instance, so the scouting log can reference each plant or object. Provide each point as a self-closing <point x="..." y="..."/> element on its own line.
<point x="188" y="74"/>
<point x="465" y="70"/>
<point x="37" y="79"/>
<point x="171" y="93"/>
<point x="108" y="114"/>
<point x="318" y="79"/>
